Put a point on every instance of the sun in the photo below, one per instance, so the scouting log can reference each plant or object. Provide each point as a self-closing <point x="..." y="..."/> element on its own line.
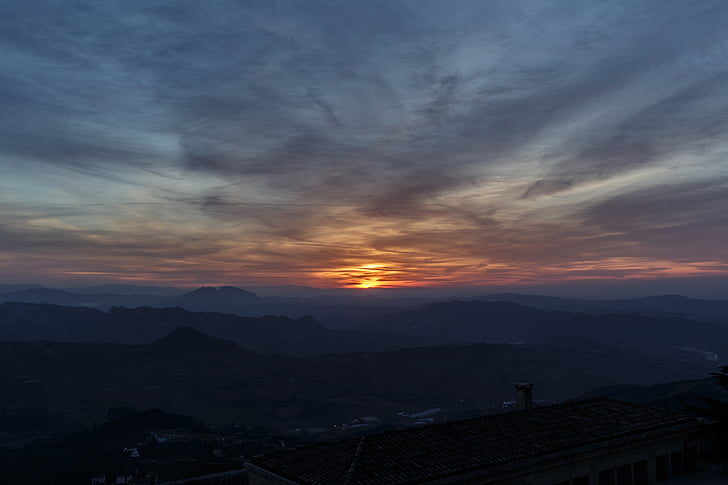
<point x="367" y="284"/>
<point x="368" y="275"/>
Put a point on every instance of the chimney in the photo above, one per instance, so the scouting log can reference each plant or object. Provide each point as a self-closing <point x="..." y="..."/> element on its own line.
<point x="523" y="396"/>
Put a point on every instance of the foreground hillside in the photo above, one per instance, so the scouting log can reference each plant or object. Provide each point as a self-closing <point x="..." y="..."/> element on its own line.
<point x="52" y="386"/>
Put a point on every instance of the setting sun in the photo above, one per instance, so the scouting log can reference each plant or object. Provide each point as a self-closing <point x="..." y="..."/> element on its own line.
<point x="369" y="276"/>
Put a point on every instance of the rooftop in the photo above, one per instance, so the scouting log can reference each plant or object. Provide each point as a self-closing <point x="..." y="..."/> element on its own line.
<point x="449" y="449"/>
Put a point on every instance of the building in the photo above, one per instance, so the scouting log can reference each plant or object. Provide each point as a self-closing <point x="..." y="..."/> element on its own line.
<point x="587" y="442"/>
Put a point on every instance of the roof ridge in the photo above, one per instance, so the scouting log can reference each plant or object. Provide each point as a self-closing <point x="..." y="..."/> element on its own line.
<point x="352" y="468"/>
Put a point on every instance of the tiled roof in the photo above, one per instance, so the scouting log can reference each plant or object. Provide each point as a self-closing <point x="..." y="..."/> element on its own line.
<point x="418" y="455"/>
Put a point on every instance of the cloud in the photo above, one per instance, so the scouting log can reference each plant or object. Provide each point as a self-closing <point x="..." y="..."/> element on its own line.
<point x="494" y="141"/>
<point x="678" y="221"/>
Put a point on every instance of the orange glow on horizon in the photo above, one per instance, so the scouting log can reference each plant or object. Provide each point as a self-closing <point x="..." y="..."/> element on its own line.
<point x="371" y="275"/>
<point x="398" y="272"/>
<point x="368" y="276"/>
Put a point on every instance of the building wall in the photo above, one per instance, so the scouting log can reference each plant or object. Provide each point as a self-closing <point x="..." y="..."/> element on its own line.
<point x="648" y="463"/>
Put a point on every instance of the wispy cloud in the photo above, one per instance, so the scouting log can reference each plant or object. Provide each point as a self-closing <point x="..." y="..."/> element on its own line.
<point x="332" y="142"/>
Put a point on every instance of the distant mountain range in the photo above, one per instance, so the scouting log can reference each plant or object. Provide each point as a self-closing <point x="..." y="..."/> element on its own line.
<point x="8" y="288"/>
<point x="658" y="306"/>
<point x="336" y="311"/>
<point x="346" y="308"/>
<point x="268" y="334"/>
<point x="478" y="321"/>
<point x="119" y="289"/>
<point x="372" y="326"/>
<point x="67" y="298"/>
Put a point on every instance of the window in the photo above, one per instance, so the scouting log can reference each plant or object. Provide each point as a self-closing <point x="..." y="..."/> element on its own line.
<point x="639" y="471"/>
<point x="691" y="459"/>
<point x="606" y="477"/>
<point x="677" y="462"/>
<point x="624" y="475"/>
<point x="662" y="467"/>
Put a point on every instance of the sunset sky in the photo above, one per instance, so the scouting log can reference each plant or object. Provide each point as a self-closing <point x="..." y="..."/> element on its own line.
<point x="362" y="143"/>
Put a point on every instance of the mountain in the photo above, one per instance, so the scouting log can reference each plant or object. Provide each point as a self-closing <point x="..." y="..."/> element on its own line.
<point x="465" y="321"/>
<point x="33" y="321"/>
<point x="54" y="386"/>
<point x="4" y="288"/>
<point x="128" y="290"/>
<point x="674" y="306"/>
<point x="345" y="308"/>
<point x="190" y="342"/>
<point x="478" y="321"/>
<point x="679" y="396"/>
<point x="212" y="297"/>
<point x="268" y="334"/>
<point x="299" y="291"/>
<point x="43" y="295"/>
<point x="68" y="298"/>
<point x="436" y="323"/>
<point x="658" y="306"/>
<point x="337" y="309"/>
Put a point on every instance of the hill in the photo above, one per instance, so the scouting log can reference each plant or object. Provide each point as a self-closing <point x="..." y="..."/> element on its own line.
<point x="267" y="334"/>
<point x="345" y="308"/>
<point x="338" y="311"/>
<point x="214" y="299"/>
<point x="188" y="341"/>
<point x="54" y="386"/>
<point x="663" y="306"/>
<point x="679" y="396"/>
<point x="94" y="300"/>
<point x="478" y="321"/>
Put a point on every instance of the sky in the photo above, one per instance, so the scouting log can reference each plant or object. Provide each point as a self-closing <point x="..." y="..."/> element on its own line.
<point x="363" y="143"/>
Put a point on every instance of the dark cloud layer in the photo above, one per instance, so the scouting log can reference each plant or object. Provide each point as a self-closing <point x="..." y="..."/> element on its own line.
<point x="379" y="142"/>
